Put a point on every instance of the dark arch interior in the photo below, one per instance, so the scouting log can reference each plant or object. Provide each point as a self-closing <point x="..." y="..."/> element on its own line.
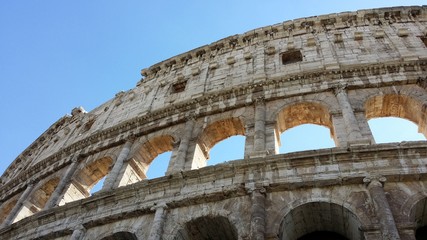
<point x="121" y="236"/>
<point x="207" y="228"/>
<point x="322" y="235"/>
<point x="421" y="233"/>
<point x="320" y="220"/>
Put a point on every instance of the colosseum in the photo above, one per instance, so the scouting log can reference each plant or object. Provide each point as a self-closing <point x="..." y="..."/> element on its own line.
<point x="336" y="70"/>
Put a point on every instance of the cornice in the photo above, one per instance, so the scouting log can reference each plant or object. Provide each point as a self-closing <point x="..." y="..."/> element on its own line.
<point x="289" y="29"/>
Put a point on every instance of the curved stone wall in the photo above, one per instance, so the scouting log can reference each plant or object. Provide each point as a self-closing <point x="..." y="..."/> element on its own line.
<point x="336" y="70"/>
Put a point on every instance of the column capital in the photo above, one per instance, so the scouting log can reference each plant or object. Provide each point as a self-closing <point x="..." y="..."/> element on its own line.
<point x="79" y="227"/>
<point x="191" y="116"/>
<point x="77" y="157"/>
<point x="131" y="138"/>
<point x="259" y="100"/>
<point x="252" y="187"/>
<point x="372" y="181"/>
<point x="156" y="206"/>
<point x="340" y="88"/>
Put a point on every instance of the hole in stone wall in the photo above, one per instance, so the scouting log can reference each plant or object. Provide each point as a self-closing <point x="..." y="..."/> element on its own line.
<point x="159" y="165"/>
<point x="393" y="129"/>
<point x="305" y="137"/>
<point x="292" y="56"/>
<point x="228" y="149"/>
<point x="179" y="87"/>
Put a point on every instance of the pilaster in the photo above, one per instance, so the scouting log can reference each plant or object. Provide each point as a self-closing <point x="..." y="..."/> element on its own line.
<point x="382" y="207"/>
<point x="156" y="230"/>
<point x="112" y="177"/>
<point x="15" y="210"/>
<point x="63" y="184"/>
<point x="354" y="136"/>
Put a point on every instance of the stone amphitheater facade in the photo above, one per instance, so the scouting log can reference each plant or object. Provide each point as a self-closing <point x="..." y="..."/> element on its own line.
<point x="336" y="70"/>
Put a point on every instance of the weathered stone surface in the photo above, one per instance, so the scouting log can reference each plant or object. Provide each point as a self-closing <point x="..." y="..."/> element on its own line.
<point x="336" y="70"/>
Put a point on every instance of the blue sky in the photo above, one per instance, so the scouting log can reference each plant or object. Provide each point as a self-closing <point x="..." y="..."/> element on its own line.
<point x="56" y="55"/>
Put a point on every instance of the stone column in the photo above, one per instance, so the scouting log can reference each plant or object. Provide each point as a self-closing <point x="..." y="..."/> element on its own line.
<point x="259" y="135"/>
<point x="352" y="127"/>
<point x="159" y="219"/>
<point x="63" y="184"/>
<point x="382" y="208"/>
<point x="112" y="176"/>
<point x="78" y="233"/>
<point x="258" y="218"/>
<point x="15" y="210"/>
<point x="183" y="145"/>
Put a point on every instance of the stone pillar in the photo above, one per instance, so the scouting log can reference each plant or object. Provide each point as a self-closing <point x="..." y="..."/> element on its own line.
<point x="112" y="176"/>
<point x="382" y="208"/>
<point x="159" y="219"/>
<point x="63" y="184"/>
<point x="181" y="156"/>
<point x="259" y="127"/>
<point x="78" y="233"/>
<point x="15" y="210"/>
<point x="258" y="215"/>
<point x="354" y="135"/>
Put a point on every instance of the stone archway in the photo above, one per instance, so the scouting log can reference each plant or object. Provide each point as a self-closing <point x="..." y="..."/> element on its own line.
<point x="395" y="105"/>
<point x="148" y="151"/>
<point x="213" y="134"/>
<point x="320" y="219"/>
<point x="304" y="113"/>
<point x="37" y="199"/>
<point x="85" y="178"/>
<point x="207" y="228"/>
<point x="121" y="236"/>
<point x="419" y="217"/>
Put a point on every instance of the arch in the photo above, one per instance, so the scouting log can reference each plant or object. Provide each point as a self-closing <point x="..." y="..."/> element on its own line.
<point x="121" y="236"/>
<point x="304" y="113"/>
<point x="214" y="133"/>
<point x="418" y="215"/>
<point x="148" y="151"/>
<point x="397" y="105"/>
<point x="7" y="207"/>
<point x="207" y="227"/>
<point x="37" y="199"/>
<point x="85" y="178"/>
<point x="319" y="218"/>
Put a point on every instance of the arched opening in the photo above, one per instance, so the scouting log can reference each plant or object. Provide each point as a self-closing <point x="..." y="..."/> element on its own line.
<point x="215" y="133"/>
<point x="322" y="235"/>
<point x="207" y="228"/>
<point x="38" y="199"/>
<point x="392" y="129"/>
<point x="152" y="158"/>
<point x="7" y="207"/>
<point x="305" y="126"/>
<point x="159" y="165"/>
<point x="305" y="137"/>
<point x="121" y="236"/>
<point x="400" y="106"/>
<point x="85" y="180"/>
<point x="228" y="149"/>
<point x="320" y="220"/>
<point x="97" y="186"/>
<point x="419" y="216"/>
